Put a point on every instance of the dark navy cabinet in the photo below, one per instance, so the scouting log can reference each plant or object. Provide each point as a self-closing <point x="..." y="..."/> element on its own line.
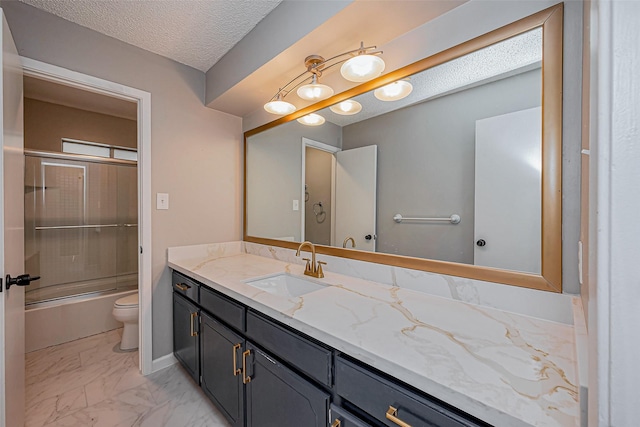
<point x="389" y="403"/>
<point x="221" y="351"/>
<point x="276" y="396"/>
<point x="186" y="343"/>
<point x="261" y="373"/>
<point x="339" y="417"/>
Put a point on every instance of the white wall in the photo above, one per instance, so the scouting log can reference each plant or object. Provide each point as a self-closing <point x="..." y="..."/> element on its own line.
<point x="614" y="286"/>
<point x="196" y="151"/>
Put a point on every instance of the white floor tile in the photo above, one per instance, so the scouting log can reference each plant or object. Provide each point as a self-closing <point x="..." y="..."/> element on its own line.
<point x="90" y="382"/>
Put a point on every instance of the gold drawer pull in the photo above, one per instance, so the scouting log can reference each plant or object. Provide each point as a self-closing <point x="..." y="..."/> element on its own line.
<point x="183" y="287"/>
<point x="236" y="371"/>
<point x="392" y="414"/>
<point x="245" y="378"/>
<point x="336" y="423"/>
<point x="194" y="333"/>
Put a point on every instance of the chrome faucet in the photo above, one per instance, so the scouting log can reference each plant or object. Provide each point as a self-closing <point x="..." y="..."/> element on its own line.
<point x="353" y="242"/>
<point x="312" y="269"/>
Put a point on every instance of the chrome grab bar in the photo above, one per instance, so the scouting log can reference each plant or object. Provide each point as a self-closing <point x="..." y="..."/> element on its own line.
<point x="453" y="219"/>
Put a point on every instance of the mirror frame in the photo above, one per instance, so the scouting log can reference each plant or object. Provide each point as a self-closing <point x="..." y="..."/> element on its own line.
<point x="551" y="21"/>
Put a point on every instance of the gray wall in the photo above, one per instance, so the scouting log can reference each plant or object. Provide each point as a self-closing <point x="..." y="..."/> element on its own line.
<point x="274" y="177"/>
<point x="426" y="156"/>
<point x="318" y="179"/>
<point x="196" y="151"/>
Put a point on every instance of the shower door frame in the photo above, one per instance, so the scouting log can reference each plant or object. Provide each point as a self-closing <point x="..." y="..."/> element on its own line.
<point x="89" y="83"/>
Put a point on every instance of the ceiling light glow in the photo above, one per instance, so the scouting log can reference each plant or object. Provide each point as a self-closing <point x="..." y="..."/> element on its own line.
<point x="312" y="119"/>
<point x="347" y="108"/>
<point x="394" y="91"/>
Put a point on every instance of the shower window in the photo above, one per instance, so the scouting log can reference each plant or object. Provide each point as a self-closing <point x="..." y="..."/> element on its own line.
<point x="81" y="233"/>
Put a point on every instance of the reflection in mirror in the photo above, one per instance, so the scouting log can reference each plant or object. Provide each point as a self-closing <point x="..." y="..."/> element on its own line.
<point x="465" y="141"/>
<point x="499" y="145"/>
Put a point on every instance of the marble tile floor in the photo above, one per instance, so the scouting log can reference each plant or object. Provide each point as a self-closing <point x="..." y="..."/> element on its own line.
<point x="91" y="382"/>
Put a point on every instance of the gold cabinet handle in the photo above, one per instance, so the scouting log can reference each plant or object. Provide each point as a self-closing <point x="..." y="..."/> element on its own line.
<point x="245" y="378"/>
<point x="183" y="287"/>
<point x="336" y="423"/>
<point x="194" y="333"/>
<point x="392" y="414"/>
<point x="236" y="371"/>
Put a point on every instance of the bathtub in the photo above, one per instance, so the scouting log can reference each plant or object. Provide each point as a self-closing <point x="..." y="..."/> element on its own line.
<point x="56" y="322"/>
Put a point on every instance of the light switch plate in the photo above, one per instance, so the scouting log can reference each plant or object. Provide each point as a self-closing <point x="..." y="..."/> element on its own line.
<point x="296" y="205"/>
<point x="162" y="200"/>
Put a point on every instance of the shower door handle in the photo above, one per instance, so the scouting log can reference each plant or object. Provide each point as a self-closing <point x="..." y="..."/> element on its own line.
<point x="21" y="280"/>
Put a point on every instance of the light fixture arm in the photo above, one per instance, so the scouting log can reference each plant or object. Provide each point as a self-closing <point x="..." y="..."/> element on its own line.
<point x="359" y="51"/>
<point x="316" y="65"/>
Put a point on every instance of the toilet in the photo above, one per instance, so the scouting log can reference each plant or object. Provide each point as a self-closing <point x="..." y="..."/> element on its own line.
<point x="125" y="310"/>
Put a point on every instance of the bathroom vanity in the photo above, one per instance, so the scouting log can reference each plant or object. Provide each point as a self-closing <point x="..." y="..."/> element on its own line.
<point x="353" y="352"/>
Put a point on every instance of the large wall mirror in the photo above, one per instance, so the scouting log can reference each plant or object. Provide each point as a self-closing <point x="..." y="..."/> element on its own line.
<point x="460" y="177"/>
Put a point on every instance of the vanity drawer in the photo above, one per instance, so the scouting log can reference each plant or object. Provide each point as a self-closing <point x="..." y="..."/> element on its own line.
<point x="230" y="312"/>
<point x="311" y="358"/>
<point x="186" y="287"/>
<point x="378" y="396"/>
<point x="340" y="417"/>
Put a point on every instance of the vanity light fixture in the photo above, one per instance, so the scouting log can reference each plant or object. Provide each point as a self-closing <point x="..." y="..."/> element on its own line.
<point x="359" y="65"/>
<point x="346" y="108"/>
<point x="314" y="91"/>
<point x="363" y="67"/>
<point x="278" y="106"/>
<point x="312" y="119"/>
<point x="394" y="91"/>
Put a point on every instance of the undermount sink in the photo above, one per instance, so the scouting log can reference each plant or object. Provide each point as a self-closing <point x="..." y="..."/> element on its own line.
<point x="286" y="285"/>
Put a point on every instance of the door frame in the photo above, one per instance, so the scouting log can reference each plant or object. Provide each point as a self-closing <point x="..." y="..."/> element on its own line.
<point x="306" y="142"/>
<point x="89" y="83"/>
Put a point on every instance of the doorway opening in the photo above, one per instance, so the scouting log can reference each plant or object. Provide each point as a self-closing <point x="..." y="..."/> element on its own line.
<point x="118" y="214"/>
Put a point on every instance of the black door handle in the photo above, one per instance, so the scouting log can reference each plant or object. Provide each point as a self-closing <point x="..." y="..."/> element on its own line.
<point x="367" y="237"/>
<point x="21" y="280"/>
<point x="481" y="242"/>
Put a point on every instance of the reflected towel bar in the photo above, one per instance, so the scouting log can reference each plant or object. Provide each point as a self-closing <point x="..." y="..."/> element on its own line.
<point x="453" y="219"/>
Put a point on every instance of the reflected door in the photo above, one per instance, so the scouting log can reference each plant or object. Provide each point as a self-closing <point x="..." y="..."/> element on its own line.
<point x="356" y="174"/>
<point x="508" y="191"/>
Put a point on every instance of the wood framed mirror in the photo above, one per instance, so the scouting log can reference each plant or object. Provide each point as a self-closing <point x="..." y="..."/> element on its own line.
<point x="486" y="63"/>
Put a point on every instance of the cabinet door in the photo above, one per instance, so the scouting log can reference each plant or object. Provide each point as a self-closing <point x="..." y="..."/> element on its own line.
<point x="340" y="417"/>
<point x="221" y="359"/>
<point x="278" y="397"/>
<point x="186" y="343"/>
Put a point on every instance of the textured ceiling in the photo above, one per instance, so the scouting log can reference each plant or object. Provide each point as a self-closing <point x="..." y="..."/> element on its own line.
<point x="193" y="32"/>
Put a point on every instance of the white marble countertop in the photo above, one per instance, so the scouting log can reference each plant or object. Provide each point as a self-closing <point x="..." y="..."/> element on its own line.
<point x="503" y="368"/>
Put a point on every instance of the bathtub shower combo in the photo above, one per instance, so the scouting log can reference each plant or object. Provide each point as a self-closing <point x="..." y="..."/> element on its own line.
<point x="81" y="225"/>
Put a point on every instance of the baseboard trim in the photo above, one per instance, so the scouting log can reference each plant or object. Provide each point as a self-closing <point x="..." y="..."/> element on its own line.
<point x="163" y="362"/>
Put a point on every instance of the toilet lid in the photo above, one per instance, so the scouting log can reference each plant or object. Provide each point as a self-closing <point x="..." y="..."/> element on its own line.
<point x="128" y="301"/>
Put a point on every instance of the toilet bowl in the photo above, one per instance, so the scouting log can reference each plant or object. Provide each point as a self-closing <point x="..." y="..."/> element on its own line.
<point x="125" y="310"/>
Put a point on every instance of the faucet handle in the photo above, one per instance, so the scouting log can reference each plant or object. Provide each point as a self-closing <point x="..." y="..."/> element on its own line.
<point x="308" y="267"/>
<point x="319" y="270"/>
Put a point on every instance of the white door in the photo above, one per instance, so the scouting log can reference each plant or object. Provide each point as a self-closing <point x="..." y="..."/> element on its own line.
<point x="355" y="212"/>
<point x="11" y="236"/>
<point x="508" y="191"/>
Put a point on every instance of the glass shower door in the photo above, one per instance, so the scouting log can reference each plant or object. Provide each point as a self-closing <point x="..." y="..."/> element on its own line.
<point x="127" y="214"/>
<point x="73" y="227"/>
